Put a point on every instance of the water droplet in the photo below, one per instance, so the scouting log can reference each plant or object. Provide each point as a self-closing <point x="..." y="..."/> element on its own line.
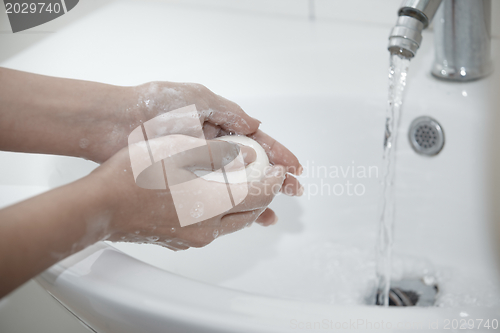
<point x="152" y="238"/>
<point x="172" y="230"/>
<point x="215" y="234"/>
<point x="137" y="232"/>
<point x="197" y="210"/>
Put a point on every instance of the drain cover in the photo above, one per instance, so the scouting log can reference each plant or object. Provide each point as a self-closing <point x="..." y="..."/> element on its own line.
<point x="426" y="136"/>
<point x="410" y="292"/>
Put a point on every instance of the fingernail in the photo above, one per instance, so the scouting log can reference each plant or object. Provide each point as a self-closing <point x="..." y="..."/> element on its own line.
<point x="260" y="122"/>
<point x="275" y="220"/>
<point x="300" y="170"/>
<point x="289" y="190"/>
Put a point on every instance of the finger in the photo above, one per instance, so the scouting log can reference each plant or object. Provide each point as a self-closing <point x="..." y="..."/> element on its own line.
<point x="231" y="117"/>
<point x="260" y="194"/>
<point x="278" y="154"/>
<point x="237" y="221"/>
<point x="223" y="132"/>
<point x="292" y="187"/>
<point x="210" y="130"/>
<point x="267" y="218"/>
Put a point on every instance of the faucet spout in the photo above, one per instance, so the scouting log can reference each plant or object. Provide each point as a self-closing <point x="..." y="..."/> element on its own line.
<point x="462" y="36"/>
<point x="414" y="17"/>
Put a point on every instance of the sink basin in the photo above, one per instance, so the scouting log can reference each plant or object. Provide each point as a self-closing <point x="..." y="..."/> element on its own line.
<point x="324" y="96"/>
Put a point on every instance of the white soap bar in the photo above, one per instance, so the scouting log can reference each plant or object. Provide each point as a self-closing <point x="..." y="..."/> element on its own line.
<point x="254" y="171"/>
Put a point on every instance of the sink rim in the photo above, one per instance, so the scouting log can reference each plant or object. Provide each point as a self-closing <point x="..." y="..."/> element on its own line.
<point x="90" y="284"/>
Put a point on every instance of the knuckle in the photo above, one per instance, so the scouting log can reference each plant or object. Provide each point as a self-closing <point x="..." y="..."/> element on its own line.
<point x="200" y="88"/>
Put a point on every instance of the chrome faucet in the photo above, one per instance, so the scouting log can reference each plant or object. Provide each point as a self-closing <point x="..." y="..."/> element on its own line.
<point x="462" y="34"/>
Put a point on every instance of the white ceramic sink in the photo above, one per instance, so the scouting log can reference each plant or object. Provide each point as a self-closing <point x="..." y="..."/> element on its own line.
<point x="320" y="88"/>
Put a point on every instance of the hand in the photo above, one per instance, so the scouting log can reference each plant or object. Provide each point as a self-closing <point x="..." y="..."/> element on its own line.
<point x="149" y="216"/>
<point x="220" y="117"/>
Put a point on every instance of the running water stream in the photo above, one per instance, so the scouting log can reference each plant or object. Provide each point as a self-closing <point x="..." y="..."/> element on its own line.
<point x="398" y="69"/>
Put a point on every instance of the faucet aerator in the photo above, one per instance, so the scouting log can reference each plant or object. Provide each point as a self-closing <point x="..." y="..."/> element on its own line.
<point x="406" y="36"/>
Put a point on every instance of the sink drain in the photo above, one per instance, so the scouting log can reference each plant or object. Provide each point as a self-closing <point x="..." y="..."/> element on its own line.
<point x="426" y="136"/>
<point x="410" y="292"/>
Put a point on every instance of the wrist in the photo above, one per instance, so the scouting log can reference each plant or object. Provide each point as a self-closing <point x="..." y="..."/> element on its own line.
<point x="110" y="119"/>
<point x="63" y="116"/>
<point x="100" y="202"/>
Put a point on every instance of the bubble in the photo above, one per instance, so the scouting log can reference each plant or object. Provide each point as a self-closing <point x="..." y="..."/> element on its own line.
<point x="123" y="237"/>
<point x="172" y="230"/>
<point x="197" y="210"/>
<point x="215" y="234"/>
<point x="429" y="279"/>
<point x="84" y="143"/>
<point x="137" y="232"/>
<point x="152" y="238"/>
